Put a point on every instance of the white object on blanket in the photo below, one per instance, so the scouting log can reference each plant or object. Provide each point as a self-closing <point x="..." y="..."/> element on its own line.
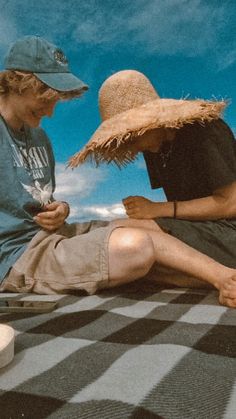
<point x="6" y="344"/>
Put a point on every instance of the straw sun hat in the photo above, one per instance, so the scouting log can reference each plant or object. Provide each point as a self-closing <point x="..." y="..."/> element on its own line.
<point x="129" y="106"/>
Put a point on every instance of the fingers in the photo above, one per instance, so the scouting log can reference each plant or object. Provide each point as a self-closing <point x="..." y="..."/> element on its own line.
<point x="49" y="217"/>
<point x="46" y="216"/>
<point x="134" y="213"/>
<point x="132" y="210"/>
<point x="52" y="211"/>
<point x="131" y="200"/>
<point x="52" y="219"/>
<point x="49" y="223"/>
<point x="131" y="204"/>
<point x="138" y="207"/>
<point x="128" y="199"/>
<point x="52" y="206"/>
<point x="128" y="202"/>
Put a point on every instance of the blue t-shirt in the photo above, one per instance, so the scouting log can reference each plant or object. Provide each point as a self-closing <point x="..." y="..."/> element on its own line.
<point x="27" y="183"/>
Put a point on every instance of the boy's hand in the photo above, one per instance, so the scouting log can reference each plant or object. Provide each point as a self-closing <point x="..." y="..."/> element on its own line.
<point x="140" y="207"/>
<point x="53" y="215"/>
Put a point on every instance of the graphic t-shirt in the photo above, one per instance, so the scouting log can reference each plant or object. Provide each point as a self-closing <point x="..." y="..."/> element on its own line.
<point x="27" y="183"/>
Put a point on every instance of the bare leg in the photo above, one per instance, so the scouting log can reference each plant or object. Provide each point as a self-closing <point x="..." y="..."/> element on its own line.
<point x="133" y="251"/>
<point x="161" y="274"/>
<point x="131" y="255"/>
<point x="158" y="273"/>
<point x="167" y="276"/>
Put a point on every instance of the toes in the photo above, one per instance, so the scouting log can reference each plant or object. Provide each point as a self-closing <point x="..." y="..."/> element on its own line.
<point x="231" y="303"/>
<point x="228" y="302"/>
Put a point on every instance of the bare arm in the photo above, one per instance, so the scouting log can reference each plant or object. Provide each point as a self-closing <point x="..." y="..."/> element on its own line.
<point x="221" y="204"/>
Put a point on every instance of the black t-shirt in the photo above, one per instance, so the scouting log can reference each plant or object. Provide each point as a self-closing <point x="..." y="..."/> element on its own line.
<point x="200" y="159"/>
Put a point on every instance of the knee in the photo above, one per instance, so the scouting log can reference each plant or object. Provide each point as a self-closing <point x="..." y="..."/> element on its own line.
<point x="133" y="249"/>
<point x="136" y="223"/>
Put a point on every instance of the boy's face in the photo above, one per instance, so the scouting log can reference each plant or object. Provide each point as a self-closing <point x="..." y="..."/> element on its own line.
<point x="29" y="110"/>
<point x="149" y="141"/>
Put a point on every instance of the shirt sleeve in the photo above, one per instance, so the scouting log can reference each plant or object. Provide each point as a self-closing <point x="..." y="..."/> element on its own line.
<point x="217" y="154"/>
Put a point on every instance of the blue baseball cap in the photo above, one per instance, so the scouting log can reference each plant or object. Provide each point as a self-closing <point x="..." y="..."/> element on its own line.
<point x="46" y="61"/>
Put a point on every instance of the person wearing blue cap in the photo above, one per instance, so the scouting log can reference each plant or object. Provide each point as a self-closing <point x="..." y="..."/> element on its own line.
<point x="40" y="252"/>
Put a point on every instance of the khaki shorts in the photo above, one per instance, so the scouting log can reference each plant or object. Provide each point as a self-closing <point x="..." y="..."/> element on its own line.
<point x="75" y="257"/>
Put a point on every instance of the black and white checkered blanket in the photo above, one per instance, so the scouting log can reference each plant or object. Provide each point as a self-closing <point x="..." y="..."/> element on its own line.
<point x="132" y="352"/>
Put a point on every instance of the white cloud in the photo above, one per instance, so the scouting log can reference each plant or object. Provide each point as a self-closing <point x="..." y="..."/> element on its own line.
<point x="99" y="212"/>
<point x="176" y="26"/>
<point x="169" y="27"/>
<point x="77" y="183"/>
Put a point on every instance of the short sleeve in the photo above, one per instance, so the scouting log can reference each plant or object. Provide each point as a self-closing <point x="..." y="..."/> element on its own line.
<point x="217" y="154"/>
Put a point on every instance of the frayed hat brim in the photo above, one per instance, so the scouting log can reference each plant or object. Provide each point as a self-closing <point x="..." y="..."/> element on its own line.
<point x="110" y="141"/>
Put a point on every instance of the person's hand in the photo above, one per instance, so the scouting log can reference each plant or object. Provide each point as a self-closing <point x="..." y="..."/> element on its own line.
<point x="140" y="207"/>
<point x="227" y="292"/>
<point x="53" y="215"/>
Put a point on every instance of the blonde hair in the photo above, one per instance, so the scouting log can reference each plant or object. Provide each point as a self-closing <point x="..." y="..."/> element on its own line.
<point x="18" y="82"/>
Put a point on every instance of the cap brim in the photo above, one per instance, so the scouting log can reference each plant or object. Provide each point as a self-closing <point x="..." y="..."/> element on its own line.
<point x="63" y="82"/>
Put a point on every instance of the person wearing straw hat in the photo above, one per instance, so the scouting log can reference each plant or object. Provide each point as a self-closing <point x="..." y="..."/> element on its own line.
<point x="189" y="151"/>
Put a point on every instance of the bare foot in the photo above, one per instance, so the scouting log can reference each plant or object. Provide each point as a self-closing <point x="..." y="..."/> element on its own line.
<point x="227" y="291"/>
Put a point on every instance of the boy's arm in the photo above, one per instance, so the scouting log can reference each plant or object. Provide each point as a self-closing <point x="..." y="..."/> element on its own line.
<point x="220" y="205"/>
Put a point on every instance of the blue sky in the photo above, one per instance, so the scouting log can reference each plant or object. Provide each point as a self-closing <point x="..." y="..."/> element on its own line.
<point x="185" y="47"/>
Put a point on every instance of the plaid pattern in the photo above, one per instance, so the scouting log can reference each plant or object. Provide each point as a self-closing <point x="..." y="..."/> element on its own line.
<point x="137" y="352"/>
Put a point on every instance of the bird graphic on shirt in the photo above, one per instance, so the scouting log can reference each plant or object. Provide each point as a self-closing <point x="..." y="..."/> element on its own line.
<point x="41" y="194"/>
